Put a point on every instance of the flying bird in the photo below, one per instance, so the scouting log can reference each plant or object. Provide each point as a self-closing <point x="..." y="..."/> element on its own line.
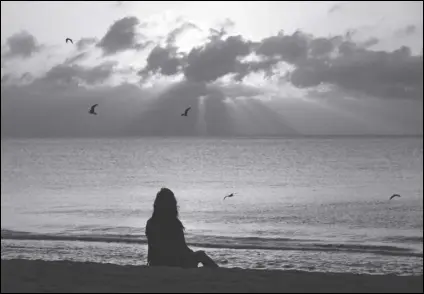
<point x="229" y="196"/>
<point x="92" y="109"/>
<point x="394" y="195"/>
<point x="186" y="112"/>
<point x="70" y="40"/>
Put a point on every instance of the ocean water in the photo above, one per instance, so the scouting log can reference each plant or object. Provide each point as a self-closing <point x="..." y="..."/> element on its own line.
<point x="315" y="204"/>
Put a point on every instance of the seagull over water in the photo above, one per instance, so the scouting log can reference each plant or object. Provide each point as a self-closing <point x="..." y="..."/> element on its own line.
<point x="92" y="109"/>
<point x="229" y="196"/>
<point x="186" y="112"/>
<point x="394" y="195"/>
<point x="70" y="40"/>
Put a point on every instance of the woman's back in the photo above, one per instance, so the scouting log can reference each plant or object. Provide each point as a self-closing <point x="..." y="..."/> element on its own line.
<point x="167" y="244"/>
<point x="165" y="236"/>
<point x="165" y="233"/>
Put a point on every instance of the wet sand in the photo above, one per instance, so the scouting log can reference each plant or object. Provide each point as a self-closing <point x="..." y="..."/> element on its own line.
<point x="41" y="276"/>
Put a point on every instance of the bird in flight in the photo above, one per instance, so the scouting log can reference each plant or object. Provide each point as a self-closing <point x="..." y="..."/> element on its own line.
<point x="394" y="195"/>
<point x="92" y="109"/>
<point x="186" y="112"/>
<point x="229" y="196"/>
<point x="70" y="40"/>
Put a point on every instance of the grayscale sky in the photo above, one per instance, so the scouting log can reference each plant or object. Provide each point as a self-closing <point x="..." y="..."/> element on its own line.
<point x="245" y="68"/>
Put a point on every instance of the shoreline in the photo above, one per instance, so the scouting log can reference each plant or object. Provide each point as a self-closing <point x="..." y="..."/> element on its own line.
<point x="63" y="276"/>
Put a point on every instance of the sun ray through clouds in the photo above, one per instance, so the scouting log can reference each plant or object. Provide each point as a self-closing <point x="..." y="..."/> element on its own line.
<point x="202" y="128"/>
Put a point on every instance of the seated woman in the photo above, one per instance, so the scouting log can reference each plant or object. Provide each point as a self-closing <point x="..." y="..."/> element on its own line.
<point x="165" y="236"/>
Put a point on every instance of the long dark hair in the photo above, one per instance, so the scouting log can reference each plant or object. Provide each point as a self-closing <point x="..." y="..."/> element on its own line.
<point x="165" y="210"/>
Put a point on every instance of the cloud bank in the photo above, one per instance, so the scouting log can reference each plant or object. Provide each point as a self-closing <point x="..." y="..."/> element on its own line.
<point x="285" y="84"/>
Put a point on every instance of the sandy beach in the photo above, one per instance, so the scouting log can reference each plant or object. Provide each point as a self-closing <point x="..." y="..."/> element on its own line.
<point x="41" y="276"/>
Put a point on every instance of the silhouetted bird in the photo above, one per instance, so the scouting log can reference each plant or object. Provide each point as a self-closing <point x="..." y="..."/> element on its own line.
<point x="70" y="40"/>
<point x="92" y="109"/>
<point x="229" y="196"/>
<point x="394" y="195"/>
<point x="186" y="112"/>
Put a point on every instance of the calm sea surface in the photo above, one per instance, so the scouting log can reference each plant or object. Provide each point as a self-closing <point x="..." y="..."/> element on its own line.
<point x="318" y="204"/>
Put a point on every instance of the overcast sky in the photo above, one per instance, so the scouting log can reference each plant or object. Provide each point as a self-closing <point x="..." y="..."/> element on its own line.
<point x="245" y="68"/>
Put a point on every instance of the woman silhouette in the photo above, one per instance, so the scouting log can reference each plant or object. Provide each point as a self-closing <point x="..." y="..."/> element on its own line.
<point x="165" y="236"/>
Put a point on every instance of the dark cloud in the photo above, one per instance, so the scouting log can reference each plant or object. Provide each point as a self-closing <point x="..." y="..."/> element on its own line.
<point x="395" y="74"/>
<point x="162" y="60"/>
<point x="172" y="36"/>
<point x="411" y="29"/>
<point x="406" y="31"/>
<point x="216" y="59"/>
<point x="321" y="47"/>
<point x="370" y="42"/>
<point x="337" y="61"/>
<point x="77" y="57"/>
<point x="85" y="42"/>
<point x="21" y="44"/>
<point x="166" y="60"/>
<point x="121" y="36"/>
<point x="289" y="48"/>
<point x="68" y="74"/>
<point x="266" y="66"/>
<point x="218" y="34"/>
<point x="334" y="8"/>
